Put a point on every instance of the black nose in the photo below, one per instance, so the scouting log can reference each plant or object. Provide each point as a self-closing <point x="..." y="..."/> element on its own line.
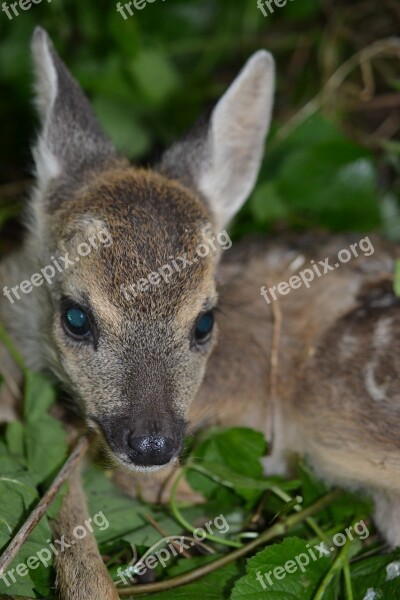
<point x="151" y="450"/>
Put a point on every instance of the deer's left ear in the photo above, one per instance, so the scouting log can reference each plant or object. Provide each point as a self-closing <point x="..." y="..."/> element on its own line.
<point x="71" y="138"/>
<point x="222" y="159"/>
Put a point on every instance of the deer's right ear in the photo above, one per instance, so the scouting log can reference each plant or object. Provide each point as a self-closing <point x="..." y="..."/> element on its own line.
<point x="71" y="139"/>
<point x="222" y="159"/>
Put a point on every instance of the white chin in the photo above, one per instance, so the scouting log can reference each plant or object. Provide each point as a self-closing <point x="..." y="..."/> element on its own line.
<point x="127" y="464"/>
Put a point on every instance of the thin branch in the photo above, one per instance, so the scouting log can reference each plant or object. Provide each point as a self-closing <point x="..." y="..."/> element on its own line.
<point x="19" y="539"/>
<point x="165" y="535"/>
<point x="259" y="509"/>
<point x="276" y="530"/>
<point x="389" y="46"/>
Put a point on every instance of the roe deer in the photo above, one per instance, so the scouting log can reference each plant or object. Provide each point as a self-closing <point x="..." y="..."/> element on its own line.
<point x="141" y="355"/>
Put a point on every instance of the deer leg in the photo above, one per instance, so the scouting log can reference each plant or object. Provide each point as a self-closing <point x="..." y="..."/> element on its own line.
<point x="81" y="573"/>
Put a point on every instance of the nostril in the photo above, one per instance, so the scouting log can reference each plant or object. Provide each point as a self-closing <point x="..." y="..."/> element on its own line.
<point x="146" y="443"/>
<point x="151" y="449"/>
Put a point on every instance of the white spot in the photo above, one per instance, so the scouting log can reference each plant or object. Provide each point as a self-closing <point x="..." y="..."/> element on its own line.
<point x="382" y="338"/>
<point x="297" y="263"/>
<point x="376" y="391"/>
<point x="274" y="259"/>
<point x="382" y="333"/>
<point x="392" y="570"/>
<point x="370" y="595"/>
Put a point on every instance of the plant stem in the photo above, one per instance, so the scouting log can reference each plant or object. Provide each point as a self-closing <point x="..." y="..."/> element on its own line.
<point x="181" y="519"/>
<point x="338" y="564"/>
<point x="275" y="531"/>
<point x="347" y="581"/>
<point x="310" y="521"/>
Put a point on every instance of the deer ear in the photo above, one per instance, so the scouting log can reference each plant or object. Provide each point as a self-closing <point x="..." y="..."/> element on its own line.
<point x="71" y="138"/>
<point x="222" y="159"/>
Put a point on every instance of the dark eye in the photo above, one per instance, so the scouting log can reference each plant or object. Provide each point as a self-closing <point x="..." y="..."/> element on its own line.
<point x="76" y="322"/>
<point x="204" y="328"/>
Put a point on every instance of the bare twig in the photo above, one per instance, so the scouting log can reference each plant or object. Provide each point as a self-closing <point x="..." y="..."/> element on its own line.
<point x="19" y="539"/>
<point x="389" y="46"/>
<point x="383" y="102"/>
<point x="277" y="530"/>
<point x="164" y="534"/>
<point x="259" y="509"/>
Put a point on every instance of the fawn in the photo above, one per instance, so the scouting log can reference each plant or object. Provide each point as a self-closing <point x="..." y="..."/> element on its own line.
<point x="141" y="368"/>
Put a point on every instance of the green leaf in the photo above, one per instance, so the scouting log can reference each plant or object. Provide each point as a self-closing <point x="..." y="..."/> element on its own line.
<point x="215" y="586"/>
<point x="46" y="448"/>
<point x="17" y="498"/>
<point x="122" y="126"/>
<point x="39" y="396"/>
<point x="123" y="514"/>
<point x="267" y="205"/>
<point x="238" y="451"/>
<point x="317" y="177"/>
<point x="349" y="201"/>
<point x="372" y="574"/>
<point x="155" y="74"/>
<point x="390" y="590"/>
<point x="106" y="79"/>
<point x="9" y="463"/>
<point x="282" y="571"/>
<point x="301" y="10"/>
<point x="33" y="450"/>
<point x="226" y="476"/>
<point x="15" y="439"/>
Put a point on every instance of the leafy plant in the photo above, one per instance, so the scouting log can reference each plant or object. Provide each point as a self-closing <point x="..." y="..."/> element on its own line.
<point x="269" y="520"/>
<point x="31" y="453"/>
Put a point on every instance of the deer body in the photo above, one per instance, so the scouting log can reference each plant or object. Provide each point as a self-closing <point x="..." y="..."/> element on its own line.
<point x="142" y="368"/>
<point x="337" y="390"/>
